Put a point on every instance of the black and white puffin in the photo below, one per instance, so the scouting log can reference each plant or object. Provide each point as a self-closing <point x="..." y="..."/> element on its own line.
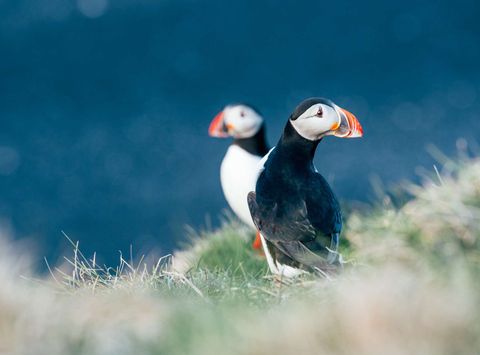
<point x="293" y="206"/>
<point x="239" y="169"/>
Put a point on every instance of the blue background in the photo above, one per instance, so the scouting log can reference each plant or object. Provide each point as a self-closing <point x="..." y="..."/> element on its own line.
<point x="105" y="105"/>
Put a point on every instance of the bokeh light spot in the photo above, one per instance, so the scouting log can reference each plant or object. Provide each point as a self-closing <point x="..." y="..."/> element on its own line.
<point x="9" y="160"/>
<point x="92" y="8"/>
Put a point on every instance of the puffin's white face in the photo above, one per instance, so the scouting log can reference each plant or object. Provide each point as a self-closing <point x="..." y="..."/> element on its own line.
<point x="242" y="121"/>
<point x="317" y="117"/>
<point x="317" y="121"/>
<point x="237" y="121"/>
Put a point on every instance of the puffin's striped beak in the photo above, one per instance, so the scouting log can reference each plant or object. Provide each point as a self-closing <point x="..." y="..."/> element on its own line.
<point x="217" y="127"/>
<point x="349" y="125"/>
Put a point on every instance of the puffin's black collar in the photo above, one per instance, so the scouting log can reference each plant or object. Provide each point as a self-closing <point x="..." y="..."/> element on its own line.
<point x="256" y="145"/>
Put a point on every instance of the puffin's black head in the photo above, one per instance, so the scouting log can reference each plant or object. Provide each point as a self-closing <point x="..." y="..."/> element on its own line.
<point x="237" y="121"/>
<point x="317" y="117"/>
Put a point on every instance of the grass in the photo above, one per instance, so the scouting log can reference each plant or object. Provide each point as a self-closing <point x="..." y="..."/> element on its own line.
<point x="410" y="285"/>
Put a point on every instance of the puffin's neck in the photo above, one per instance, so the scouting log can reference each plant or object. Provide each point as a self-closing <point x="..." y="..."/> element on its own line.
<point x="256" y="145"/>
<point x="296" y="150"/>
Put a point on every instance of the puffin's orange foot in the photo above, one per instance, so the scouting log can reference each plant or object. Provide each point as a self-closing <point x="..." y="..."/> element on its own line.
<point x="257" y="243"/>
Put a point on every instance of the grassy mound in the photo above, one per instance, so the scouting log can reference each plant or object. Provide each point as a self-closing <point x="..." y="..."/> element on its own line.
<point x="441" y="223"/>
<point x="227" y="249"/>
<point x="411" y="285"/>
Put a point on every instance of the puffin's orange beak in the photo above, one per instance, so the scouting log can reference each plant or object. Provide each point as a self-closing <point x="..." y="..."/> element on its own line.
<point x="217" y="127"/>
<point x="349" y="126"/>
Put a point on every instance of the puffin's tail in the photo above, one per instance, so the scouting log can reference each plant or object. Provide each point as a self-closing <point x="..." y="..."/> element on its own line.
<point x="300" y="253"/>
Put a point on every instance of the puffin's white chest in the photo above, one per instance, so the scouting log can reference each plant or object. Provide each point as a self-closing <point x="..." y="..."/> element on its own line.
<point x="238" y="175"/>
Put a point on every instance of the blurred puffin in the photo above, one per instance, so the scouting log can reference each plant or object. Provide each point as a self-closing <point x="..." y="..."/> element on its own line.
<point x="293" y="206"/>
<point x="239" y="169"/>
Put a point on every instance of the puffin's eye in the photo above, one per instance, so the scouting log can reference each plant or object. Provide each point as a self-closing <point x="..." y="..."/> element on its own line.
<point x="319" y="112"/>
<point x="242" y="114"/>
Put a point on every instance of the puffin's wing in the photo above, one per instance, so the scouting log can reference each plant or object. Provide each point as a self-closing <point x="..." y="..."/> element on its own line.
<point x="254" y="209"/>
<point x="262" y="216"/>
<point x="299" y="252"/>
<point x="308" y="244"/>
<point x="298" y="228"/>
<point x="323" y="210"/>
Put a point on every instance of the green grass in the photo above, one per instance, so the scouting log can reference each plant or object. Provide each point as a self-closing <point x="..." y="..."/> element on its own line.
<point x="410" y="285"/>
<point x="228" y="250"/>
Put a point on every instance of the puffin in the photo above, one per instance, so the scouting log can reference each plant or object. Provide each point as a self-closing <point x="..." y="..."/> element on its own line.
<point x="293" y="207"/>
<point x="239" y="168"/>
